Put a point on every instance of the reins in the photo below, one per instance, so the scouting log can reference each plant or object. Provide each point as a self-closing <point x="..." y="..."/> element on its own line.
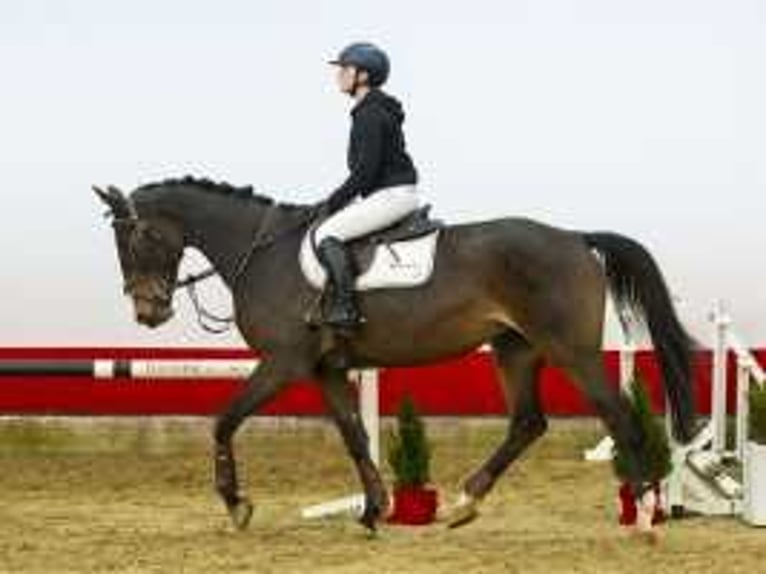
<point x="217" y="324"/>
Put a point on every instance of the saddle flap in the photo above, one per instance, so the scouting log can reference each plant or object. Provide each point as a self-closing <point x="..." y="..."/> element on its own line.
<point x="390" y="264"/>
<point x="399" y="255"/>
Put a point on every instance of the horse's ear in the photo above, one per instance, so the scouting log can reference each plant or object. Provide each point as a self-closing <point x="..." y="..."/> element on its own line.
<point x="103" y="196"/>
<point x="116" y="200"/>
<point x="115" y="191"/>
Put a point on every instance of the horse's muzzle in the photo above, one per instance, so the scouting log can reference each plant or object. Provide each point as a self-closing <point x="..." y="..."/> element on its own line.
<point x="152" y="312"/>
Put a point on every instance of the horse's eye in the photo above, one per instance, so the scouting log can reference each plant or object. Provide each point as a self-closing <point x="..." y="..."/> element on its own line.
<point x="154" y="235"/>
<point x="145" y="233"/>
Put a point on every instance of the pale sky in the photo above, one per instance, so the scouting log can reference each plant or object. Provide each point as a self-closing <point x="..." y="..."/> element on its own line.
<point x="643" y="117"/>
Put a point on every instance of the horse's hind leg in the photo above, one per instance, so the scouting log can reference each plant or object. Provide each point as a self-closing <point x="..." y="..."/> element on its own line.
<point x="626" y="430"/>
<point x="518" y="366"/>
<point x="615" y="411"/>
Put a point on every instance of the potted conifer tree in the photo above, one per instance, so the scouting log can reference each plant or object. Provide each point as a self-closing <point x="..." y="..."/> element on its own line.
<point x="755" y="459"/>
<point x="409" y="456"/>
<point x="657" y="458"/>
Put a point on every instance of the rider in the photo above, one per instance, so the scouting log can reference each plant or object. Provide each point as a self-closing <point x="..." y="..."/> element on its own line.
<point x="380" y="188"/>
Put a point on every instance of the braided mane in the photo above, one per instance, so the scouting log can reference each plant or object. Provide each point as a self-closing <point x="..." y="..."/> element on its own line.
<point x="222" y="188"/>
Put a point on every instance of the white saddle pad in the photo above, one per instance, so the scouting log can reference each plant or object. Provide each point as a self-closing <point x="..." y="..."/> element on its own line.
<point x="406" y="263"/>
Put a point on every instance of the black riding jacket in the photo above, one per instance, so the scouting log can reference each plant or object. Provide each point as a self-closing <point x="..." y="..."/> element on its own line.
<point x="377" y="157"/>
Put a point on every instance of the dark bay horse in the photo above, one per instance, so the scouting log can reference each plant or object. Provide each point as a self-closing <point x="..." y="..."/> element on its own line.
<point x="534" y="293"/>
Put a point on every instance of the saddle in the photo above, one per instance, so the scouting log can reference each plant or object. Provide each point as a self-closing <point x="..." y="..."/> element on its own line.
<point x="400" y="255"/>
<point x="416" y="224"/>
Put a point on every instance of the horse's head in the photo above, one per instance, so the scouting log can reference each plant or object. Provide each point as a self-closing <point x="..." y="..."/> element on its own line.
<point x="149" y="248"/>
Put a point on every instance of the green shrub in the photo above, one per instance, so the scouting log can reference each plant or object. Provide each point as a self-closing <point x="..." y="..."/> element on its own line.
<point x="409" y="453"/>
<point x="656" y="454"/>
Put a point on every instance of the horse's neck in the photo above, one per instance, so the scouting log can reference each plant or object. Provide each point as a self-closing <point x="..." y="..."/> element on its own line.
<point x="223" y="231"/>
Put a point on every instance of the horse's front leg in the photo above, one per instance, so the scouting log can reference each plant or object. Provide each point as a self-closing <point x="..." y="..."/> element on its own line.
<point x="345" y="414"/>
<point x="262" y="385"/>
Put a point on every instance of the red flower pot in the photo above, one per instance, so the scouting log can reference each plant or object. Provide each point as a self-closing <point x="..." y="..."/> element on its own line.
<point x="414" y="505"/>
<point x="628" y="510"/>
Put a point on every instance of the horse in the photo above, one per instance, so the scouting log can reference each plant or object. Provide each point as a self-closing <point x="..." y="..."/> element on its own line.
<point x="533" y="293"/>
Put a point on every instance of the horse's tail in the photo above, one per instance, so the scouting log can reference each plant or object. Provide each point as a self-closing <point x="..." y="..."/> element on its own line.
<point x="637" y="284"/>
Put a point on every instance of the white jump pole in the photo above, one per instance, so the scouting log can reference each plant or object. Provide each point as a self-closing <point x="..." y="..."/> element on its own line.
<point x="132" y="368"/>
<point x="721" y="323"/>
<point x="743" y="407"/>
<point x="370" y="409"/>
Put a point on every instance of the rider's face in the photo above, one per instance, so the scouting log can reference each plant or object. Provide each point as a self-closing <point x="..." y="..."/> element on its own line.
<point x="349" y="78"/>
<point x="345" y="78"/>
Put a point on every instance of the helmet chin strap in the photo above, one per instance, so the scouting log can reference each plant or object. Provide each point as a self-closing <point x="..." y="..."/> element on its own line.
<point x="355" y="85"/>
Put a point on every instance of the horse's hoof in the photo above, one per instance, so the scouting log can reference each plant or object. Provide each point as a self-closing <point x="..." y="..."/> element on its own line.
<point x="464" y="512"/>
<point x="461" y="516"/>
<point x="375" y="510"/>
<point x="369" y="519"/>
<point x="646" y="508"/>
<point x="241" y="513"/>
<point x="370" y="525"/>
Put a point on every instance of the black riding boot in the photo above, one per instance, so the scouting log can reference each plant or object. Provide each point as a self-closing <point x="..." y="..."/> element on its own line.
<point x="334" y="257"/>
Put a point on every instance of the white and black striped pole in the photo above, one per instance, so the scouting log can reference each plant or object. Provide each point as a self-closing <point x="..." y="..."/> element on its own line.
<point x="131" y="368"/>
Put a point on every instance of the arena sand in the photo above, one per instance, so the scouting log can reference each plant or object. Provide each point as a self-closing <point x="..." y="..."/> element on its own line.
<point x="136" y="496"/>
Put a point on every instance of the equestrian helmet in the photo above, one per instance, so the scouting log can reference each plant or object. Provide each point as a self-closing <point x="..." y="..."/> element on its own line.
<point x="368" y="57"/>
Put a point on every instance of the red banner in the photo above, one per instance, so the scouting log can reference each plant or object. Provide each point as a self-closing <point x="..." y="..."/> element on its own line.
<point x="463" y="386"/>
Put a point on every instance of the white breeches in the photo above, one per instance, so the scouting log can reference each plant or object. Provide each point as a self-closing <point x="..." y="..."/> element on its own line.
<point x="372" y="213"/>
